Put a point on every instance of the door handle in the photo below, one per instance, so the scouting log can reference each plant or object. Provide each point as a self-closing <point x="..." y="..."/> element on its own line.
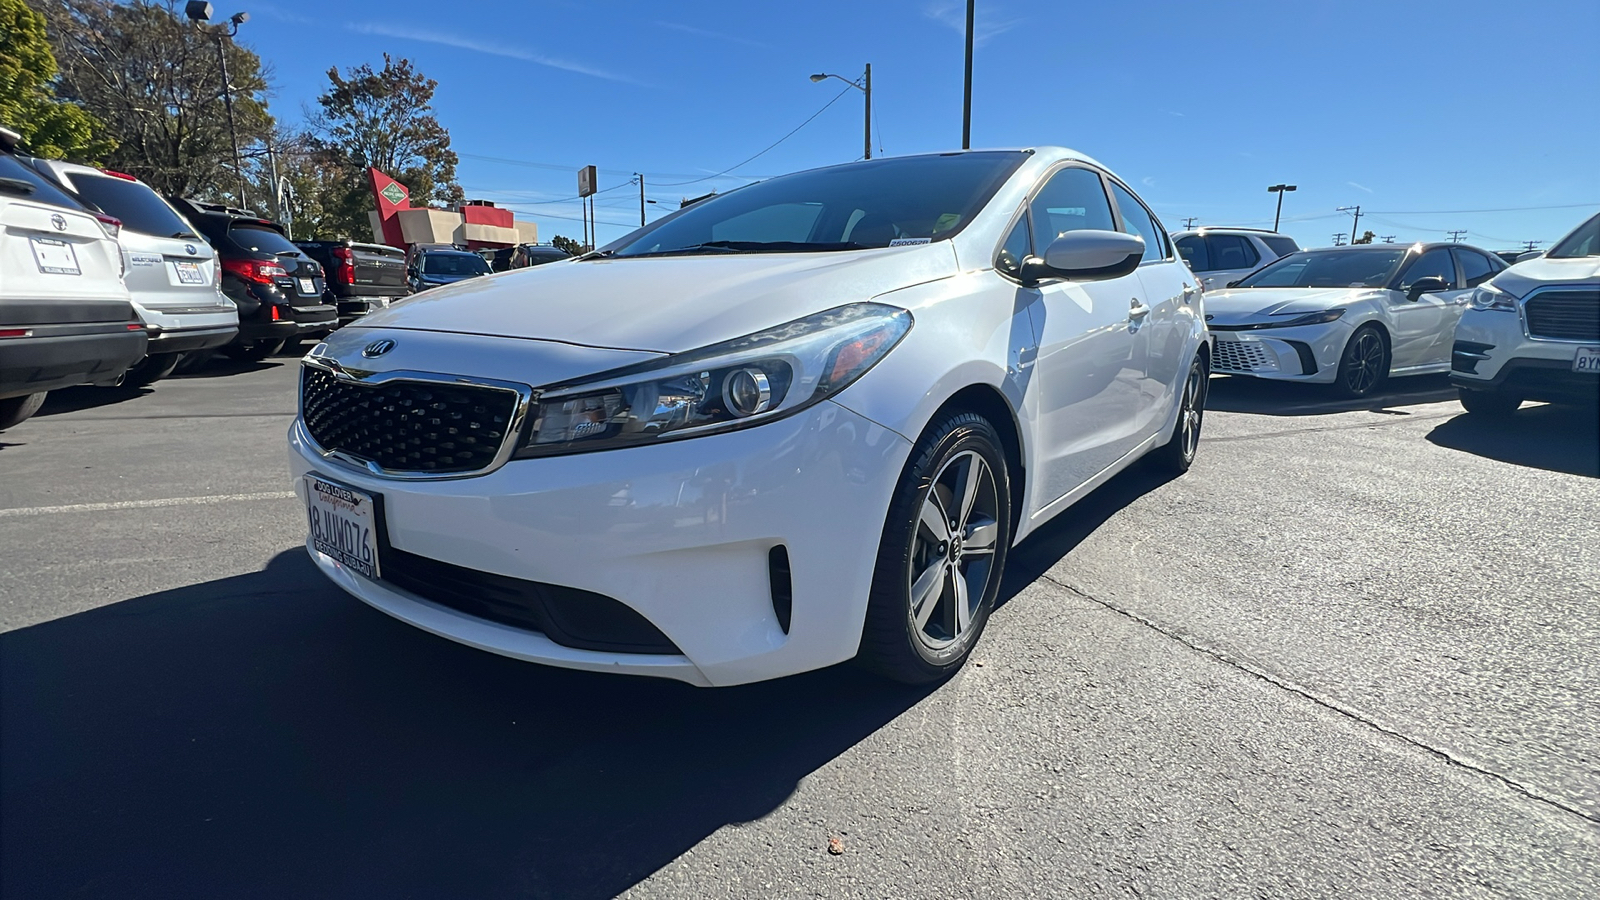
<point x="1138" y="310"/>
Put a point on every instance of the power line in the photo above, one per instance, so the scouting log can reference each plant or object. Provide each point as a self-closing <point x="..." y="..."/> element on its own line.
<point x="769" y="146"/>
<point x="1443" y="212"/>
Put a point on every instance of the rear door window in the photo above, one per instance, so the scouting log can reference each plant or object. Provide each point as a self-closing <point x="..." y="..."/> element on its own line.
<point x="135" y="204"/>
<point x="1193" y="250"/>
<point x="1475" y="267"/>
<point x="38" y="188"/>
<point x="1230" y="251"/>
<point x="1136" y="220"/>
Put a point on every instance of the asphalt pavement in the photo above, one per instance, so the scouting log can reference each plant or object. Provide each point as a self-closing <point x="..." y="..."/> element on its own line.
<point x="1350" y="654"/>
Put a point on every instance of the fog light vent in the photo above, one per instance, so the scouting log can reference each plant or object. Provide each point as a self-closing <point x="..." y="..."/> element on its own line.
<point x="782" y="588"/>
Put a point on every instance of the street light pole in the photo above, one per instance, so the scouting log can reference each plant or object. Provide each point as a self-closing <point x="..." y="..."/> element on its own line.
<point x="1279" y="189"/>
<point x="864" y="86"/>
<point x="966" y="101"/>
<point x="199" y="12"/>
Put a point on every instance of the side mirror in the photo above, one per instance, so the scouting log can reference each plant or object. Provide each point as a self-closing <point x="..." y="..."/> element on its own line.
<point x="1087" y="255"/>
<point x="1429" y="285"/>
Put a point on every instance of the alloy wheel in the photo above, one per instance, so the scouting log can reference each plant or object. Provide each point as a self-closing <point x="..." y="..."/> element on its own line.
<point x="1190" y="413"/>
<point x="953" y="552"/>
<point x="1365" y="359"/>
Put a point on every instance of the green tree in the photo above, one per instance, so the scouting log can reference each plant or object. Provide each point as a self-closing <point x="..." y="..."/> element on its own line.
<point x="385" y="119"/>
<point x="28" y="104"/>
<point x="1366" y="238"/>
<point x="154" y="78"/>
<point x="567" y="244"/>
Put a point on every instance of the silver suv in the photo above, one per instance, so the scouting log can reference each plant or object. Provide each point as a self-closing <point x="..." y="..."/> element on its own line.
<point x="172" y="272"/>
<point x="1219" y="255"/>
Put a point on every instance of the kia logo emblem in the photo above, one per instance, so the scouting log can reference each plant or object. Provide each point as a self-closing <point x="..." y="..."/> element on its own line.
<point x="377" y="348"/>
<point x="59" y="221"/>
<point x="190" y="249"/>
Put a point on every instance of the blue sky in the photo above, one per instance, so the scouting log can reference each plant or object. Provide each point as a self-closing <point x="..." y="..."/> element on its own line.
<point x="1431" y="115"/>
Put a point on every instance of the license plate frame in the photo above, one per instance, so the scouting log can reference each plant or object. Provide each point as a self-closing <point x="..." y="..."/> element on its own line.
<point x="186" y="272"/>
<point x="308" y="286"/>
<point x="55" y="257"/>
<point x="343" y="524"/>
<point x="1586" y="361"/>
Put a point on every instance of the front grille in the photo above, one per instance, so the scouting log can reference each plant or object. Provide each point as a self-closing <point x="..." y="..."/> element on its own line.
<point x="1242" y="356"/>
<point x="407" y="426"/>
<point x="572" y="618"/>
<point x="1565" y="315"/>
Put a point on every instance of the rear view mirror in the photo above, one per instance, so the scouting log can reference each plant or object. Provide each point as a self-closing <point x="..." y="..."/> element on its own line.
<point x="1089" y="255"/>
<point x="1429" y="285"/>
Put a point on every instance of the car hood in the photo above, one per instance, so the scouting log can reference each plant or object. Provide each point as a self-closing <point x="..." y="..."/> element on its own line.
<point x="1524" y="277"/>
<point x="664" y="304"/>
<point x="1247" y="304"/>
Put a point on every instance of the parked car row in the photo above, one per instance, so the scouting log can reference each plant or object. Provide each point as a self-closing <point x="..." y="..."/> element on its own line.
<point x="184" y="277"/>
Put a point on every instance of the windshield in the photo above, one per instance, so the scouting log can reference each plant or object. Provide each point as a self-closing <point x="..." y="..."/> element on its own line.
<point x="1584" y="241"/>
<point x="910" y="200"/>
<point x="456" y="264"/>
<point x="135" y="204"/>
<point x="1328" y="268"/>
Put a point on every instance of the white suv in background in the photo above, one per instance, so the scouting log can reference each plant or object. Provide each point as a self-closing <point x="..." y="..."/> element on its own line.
<point x="1219" y="255"/>
<point x="172" y="272"/>
<point x="1533" y="333"/>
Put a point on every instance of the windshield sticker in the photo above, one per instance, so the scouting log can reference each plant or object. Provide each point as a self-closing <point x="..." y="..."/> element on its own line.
<point x="144" y="259"/>
<point x="906" y="242"/>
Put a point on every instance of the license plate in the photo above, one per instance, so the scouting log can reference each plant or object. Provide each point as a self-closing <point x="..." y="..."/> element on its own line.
<point x="1587" y="360"/>
<point x="55" y="257"/>
<point x="187" y="272"/>
<point x="343" y="525"/>
<point x="307" y="286"/>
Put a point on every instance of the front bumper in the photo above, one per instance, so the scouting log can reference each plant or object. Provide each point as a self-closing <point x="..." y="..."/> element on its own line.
<point x="1492" y="352"/>
<point x="679" y="532"/>
<point x="1307" y="353"/>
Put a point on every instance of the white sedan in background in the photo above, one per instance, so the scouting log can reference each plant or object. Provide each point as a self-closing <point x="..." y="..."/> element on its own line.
<point x="1347" y="316"/>
<point x="789" y="425"/>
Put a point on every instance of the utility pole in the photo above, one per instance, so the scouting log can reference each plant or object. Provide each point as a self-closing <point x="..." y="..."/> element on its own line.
<point x="1388" y="239"/>
<point x="1529" y="246"/>
<point x="1188" y="222"/>
<point x="966" y="102"/>
<point x="1338" y="239"/>
<point x="277" y="192"/>
<point x="1356" y="223"/>
<point x="868" y="77"/>
<point x="1279" y="189"/>
<point x="1455" y="235"/>
<point x="641" y="198"/>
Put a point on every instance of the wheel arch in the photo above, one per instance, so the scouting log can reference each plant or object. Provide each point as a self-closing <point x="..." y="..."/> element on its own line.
<point x="987" y="401"/>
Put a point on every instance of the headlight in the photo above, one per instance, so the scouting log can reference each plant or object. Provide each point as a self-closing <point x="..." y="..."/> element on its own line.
<point x="745" y="381"/>
<point x="1321" y="317"/>
<point x="1487" y="297"/>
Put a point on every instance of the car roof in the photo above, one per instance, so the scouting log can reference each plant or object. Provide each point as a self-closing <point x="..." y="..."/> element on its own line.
<point x="1228" y="229"/>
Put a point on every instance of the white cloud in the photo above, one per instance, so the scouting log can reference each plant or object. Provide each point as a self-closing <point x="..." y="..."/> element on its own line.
<point x="477" y="46"/>
<point x="714" y="35"/>
<point x="1359" y="187"/>
<point x="985" y="24"/>
<point x="1148" y="181"/>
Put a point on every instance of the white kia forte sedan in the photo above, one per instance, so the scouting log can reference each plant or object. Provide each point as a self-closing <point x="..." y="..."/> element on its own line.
<point x="1347" y="316"/>
<point x="794" y="424"/>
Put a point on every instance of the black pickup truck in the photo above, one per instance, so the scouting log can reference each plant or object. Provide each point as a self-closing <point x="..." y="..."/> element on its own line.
<point x="360" y="277"/>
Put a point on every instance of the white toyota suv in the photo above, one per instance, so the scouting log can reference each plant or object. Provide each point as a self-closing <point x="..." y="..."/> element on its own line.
<point x="65" y="318"/>
<point x="1533" y="333"/>
<point x="171" y="272"/>
<point x="1220" y="255"/>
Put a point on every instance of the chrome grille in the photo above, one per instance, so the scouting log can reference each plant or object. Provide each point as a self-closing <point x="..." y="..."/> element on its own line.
<point x="1242" y="356"/>
<point x="1564" y="314"/>
<point x="408" y="426"/>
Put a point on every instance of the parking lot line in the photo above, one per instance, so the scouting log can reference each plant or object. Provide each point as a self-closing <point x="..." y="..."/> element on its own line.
<point x="144" y="504"/>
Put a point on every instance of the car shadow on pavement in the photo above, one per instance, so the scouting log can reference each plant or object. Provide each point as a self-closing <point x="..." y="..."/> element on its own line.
<point x="1555" y="438"/>
<point x="1277" y="398"/>
<point x="266" y="735"/>
<point x="76" y="399"/>
<point x="220" y="365"/>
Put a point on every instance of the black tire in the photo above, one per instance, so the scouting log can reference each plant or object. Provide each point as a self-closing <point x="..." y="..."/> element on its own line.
<point x="290" y="346"/>
<point x="1364" y="364"/>
<point x="254" y="351"/>
<point x="16" y="410"/>
<point x="1489" y="404"/>
<point x="1177" y="454"/>
<point x="149" y="370"/>
<point x="893" y="643"/>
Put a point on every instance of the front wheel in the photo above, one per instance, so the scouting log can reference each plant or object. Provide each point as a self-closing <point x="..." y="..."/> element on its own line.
<point x="1177" y="454"/>
<point x="942" y="553"/>
<point x="1364" y="365"/>
<point x="1489" y="404"/>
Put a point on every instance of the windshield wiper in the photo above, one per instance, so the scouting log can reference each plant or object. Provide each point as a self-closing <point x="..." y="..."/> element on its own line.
<point x="758" y="247"/>
<point x="185" y="234"/>
<point x="593" y="254"/>
<point x="17" y="185"/>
